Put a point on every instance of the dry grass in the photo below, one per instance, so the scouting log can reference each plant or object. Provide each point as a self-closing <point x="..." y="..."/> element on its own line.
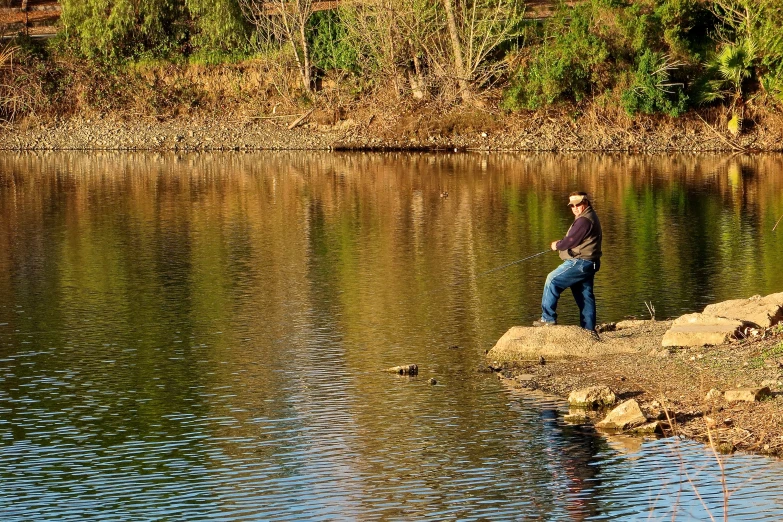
<point x="11" y="101"/>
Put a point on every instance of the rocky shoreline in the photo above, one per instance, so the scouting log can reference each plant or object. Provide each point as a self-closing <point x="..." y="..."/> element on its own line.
<point x="728" y="395"/>
<point x="373" y="127"/>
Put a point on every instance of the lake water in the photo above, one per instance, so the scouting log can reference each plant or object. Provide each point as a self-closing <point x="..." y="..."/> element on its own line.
<point x="200" y="337"/>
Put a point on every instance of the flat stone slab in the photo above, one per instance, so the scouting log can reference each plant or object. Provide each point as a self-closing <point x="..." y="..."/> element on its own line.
<point x="700" y="330"/>
<point x="624" y="417"/>
<point x="592" y="396"/>
<point x="762" y="311"/>
<point x="746" y="394"/>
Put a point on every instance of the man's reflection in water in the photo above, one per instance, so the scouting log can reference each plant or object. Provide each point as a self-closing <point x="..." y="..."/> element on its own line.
<point x="572" y="463"/>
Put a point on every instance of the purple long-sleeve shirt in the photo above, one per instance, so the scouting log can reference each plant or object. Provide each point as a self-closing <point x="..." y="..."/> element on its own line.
<point x="576" y="234"/>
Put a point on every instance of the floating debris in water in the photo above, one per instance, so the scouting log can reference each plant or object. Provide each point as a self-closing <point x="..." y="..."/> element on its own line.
<point x="407" y="369"/>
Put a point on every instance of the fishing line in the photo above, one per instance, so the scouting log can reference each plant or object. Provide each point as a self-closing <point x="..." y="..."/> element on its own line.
<point x="487" y="272"/>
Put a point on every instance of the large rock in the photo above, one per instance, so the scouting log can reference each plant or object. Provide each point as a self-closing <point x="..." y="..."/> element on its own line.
<point x="624" y="417"/>
<point x="761" y="311"/>
<point x="591" y="397"/>
<point x="700" y="330"/>
<point x="522" y="343"/>
<point x="746" y="394"/>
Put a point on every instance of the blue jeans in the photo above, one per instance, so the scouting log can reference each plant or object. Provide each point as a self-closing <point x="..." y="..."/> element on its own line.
<point x="578" y="275"/>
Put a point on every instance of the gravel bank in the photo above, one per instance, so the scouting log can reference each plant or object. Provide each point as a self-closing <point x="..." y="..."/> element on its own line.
<point x="375" y="127"/>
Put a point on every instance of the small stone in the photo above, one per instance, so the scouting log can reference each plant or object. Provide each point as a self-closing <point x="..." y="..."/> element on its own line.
<point x="714" y="394"/>
<point x="725" y="448"/>
<point x="432" y="382"/>
<point x="575" y="416"/>
<point x="593" y="396"/>
<point x="627" y="415"/>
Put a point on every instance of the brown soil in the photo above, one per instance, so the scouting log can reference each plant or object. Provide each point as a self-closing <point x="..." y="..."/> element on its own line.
<point x="673" y="383"/>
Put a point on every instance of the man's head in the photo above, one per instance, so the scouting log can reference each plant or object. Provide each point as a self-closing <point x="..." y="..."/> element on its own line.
<point x="578" y="202"/>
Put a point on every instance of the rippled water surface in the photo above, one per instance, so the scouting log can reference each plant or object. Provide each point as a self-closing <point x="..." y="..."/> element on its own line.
<point x="201" y="336"/>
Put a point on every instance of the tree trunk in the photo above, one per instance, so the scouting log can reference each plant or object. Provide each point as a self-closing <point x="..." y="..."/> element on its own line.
<point x="459" y="64"/>
<point x="307" y="75"/>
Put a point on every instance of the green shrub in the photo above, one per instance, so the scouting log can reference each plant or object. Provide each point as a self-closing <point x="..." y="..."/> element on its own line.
<point x="221" y="28"/>
<point x="112" y="30"/>
<point x="652" y="90"/>
<point x="568" y="64"/>
<point x="330" y="47"/>
<point x="686" y="26"/>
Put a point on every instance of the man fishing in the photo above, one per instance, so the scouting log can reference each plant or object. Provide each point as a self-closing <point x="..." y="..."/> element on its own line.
<point x="580" y="250"/>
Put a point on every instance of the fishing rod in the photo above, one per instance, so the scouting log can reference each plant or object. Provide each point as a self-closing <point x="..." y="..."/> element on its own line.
<point x="443" y="287"/>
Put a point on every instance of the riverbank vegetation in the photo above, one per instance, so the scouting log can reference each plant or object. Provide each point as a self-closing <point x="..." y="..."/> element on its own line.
<point x="168" y="57"/>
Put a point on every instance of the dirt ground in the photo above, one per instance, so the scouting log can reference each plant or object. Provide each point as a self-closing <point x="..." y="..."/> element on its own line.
<point x="672" y="384"/>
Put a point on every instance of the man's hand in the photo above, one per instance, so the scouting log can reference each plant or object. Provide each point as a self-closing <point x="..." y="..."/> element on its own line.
<point x="553" y="246"/>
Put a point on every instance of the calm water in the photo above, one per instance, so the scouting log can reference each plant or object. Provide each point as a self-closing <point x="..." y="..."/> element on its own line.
<point x="200" y="337"/>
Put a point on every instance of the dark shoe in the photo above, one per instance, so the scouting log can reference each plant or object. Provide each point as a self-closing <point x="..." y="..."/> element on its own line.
<point x="594" y="335"/>
<point x="541" y="322"/>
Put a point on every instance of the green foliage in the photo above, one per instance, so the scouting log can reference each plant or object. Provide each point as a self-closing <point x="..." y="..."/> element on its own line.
<point x="686" y="25"/>
<point x="766" y="354"/>
<point x="112" y="30"/>
<point x="590" y="49"/>
<point x="221" y="27"/>
<point x="749" y="47"/>
<point x="772" y="85"/>
<point x="652" y="90"/>
<point x="570" y="63"/>
<point x="726" y="72"/>
<point x="330" y="46"/>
